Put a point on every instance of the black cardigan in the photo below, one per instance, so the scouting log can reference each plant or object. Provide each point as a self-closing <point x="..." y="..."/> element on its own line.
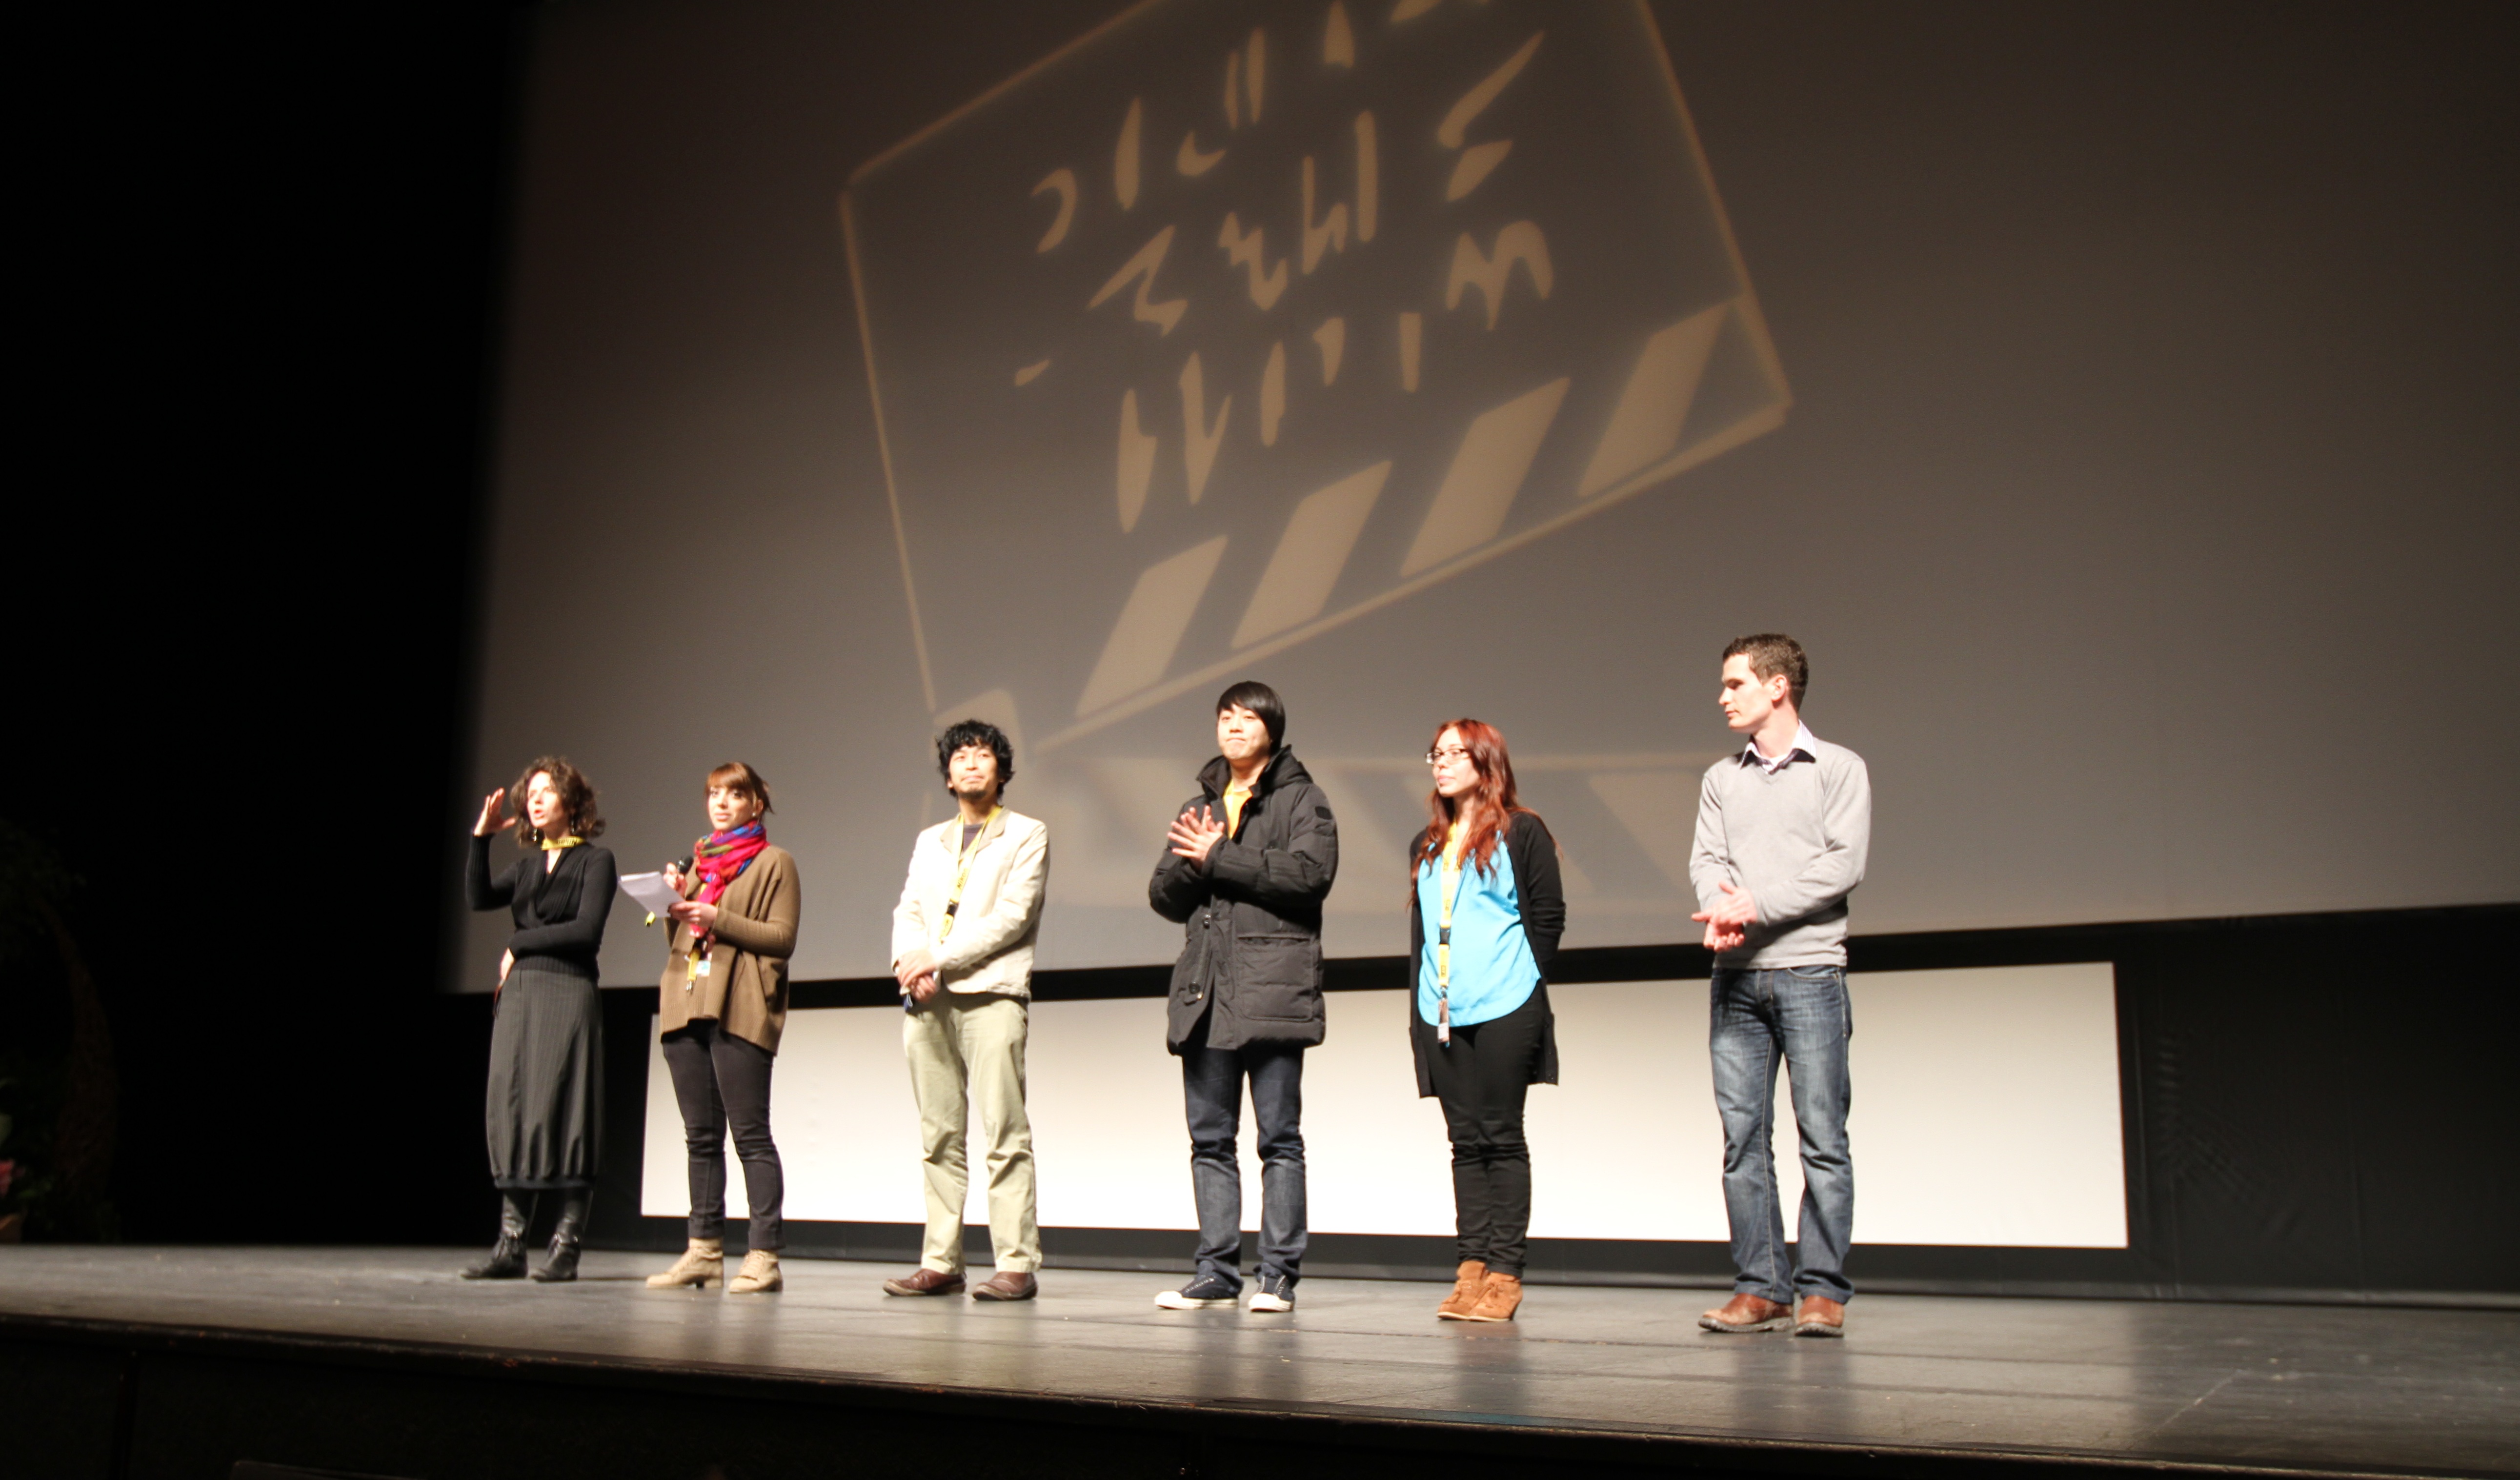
<point x="559" y="912"/>
<point x="1543" y="900"/>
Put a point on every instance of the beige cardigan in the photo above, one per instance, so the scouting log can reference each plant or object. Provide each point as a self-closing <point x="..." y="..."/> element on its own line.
<point x="990" y="948"/>
<point x="745" y="989"/>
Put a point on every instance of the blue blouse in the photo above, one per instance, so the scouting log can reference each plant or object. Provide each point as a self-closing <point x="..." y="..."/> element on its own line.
<point x="1493" y="969"/>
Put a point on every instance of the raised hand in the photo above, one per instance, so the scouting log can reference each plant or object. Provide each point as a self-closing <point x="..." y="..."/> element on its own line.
<point x="491" y="821"/>
<point x="703" y="918"/>
<point x="1195" y="836"/>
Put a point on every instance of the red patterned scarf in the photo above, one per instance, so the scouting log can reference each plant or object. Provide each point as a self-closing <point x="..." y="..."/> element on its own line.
<point x="719" y="859"/>
<point x="721" y="856"/>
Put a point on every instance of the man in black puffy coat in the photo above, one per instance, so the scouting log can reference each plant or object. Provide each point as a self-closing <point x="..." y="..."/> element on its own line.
<point x="1249" y="860"/>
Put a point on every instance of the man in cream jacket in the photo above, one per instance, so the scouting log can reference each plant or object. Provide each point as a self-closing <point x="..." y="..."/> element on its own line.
<point x="962" y="949"/>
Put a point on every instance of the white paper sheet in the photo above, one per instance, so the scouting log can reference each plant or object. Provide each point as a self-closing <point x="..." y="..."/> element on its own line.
<point x="652" y="892"/>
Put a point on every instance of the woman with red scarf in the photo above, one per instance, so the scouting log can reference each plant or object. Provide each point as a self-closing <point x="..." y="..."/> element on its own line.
<point x="720" y="1009"/>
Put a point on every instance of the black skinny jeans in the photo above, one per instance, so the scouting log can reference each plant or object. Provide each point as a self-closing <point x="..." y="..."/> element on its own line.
<point x="721" y="1080"/>
<point x="1481" y="1080"/>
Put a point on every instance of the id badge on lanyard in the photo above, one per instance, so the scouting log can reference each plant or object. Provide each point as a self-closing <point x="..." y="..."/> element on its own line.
<point x="963" y="876"/>
<point x="1447" y="886"/>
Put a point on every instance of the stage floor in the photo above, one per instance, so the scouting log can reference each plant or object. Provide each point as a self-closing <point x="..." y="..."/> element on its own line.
<point x="2300" y="1388"/>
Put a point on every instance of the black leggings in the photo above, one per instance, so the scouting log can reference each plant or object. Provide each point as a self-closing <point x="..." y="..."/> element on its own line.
<point x="1481" y="1079"/>
<point x="719" y="1079"/>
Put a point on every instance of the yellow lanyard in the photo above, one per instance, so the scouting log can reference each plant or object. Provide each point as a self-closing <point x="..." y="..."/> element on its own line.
<point x="970" y="854"/>
<point x="696" y="964"/>
<point x="1449" y="886"/>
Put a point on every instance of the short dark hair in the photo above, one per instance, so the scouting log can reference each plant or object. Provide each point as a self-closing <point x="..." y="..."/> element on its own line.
<point x="1260" y="700"/>
<point x="579" y="819"/>
<point x="742" y="780"/>
<point x="1772" y="653"/>
<point x="974" y="732"/>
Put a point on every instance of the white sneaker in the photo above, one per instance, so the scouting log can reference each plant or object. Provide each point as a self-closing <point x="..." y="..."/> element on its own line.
<point x="1271" y="1297"/>
<point x="1205" y="1294"/>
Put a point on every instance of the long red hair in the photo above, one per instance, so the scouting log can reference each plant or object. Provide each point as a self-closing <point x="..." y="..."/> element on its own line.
<point x="1489" y="804"/>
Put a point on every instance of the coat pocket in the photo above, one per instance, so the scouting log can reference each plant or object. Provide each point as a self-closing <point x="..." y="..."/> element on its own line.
<point x="1278" y="977"/>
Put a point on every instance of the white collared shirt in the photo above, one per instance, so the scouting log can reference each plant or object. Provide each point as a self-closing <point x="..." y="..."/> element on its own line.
<point x="1804" y="746"/>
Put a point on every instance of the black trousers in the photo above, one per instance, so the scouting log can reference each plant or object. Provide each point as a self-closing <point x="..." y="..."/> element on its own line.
<point x="720" y="1081"/>
<point x="1481" y="1079"/>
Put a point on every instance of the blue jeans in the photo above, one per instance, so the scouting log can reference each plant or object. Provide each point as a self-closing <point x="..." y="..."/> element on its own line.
<point x="1212" y="1092"/>
<point x="1799" y="1014"/>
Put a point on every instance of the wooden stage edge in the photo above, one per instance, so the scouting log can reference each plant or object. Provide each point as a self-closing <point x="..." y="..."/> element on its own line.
<point x="378" y="1362"/>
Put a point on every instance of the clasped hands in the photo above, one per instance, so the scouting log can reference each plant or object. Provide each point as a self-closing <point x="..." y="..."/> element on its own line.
<point x="1728" y="923"/>
<point x="1195" y="836"/>
<point x="916" y="973"/>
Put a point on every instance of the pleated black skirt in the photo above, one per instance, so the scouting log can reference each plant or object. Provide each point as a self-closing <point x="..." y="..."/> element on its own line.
<point x="545" y="1113"/>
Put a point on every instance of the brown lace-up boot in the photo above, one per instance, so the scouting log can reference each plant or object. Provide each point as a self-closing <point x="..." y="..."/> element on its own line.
<point x="1468" y="1280"/>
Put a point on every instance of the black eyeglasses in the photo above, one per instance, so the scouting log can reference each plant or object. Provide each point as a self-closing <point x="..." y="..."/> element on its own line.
<point x="1447" y="753"/>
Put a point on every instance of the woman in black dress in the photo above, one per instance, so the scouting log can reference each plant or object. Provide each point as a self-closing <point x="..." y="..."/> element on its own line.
<point x="545" y="1108"/>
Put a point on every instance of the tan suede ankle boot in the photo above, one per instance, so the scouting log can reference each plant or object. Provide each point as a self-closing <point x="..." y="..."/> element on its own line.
<point x="703" y="1263"/>
<point x="1468" y="1282"/>
<point x="759" y="1275"/>
<point x="1499" y="1299"/>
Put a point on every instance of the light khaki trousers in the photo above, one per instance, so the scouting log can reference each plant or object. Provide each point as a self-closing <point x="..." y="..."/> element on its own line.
<point x="970" y="1049"/>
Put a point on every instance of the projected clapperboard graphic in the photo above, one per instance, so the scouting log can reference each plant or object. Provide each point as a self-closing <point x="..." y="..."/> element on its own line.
<point x="1230" y="324"/>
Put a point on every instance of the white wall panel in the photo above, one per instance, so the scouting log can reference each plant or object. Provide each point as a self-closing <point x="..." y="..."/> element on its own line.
<point x="1986" y="1112"/>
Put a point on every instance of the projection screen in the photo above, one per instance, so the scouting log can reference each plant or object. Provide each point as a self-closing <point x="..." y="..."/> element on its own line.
<point x="868" y="367"/>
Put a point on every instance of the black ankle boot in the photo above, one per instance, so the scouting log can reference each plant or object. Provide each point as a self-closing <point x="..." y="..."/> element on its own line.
<point x="562" y="1263"/>
<point x="507" y="1259"/>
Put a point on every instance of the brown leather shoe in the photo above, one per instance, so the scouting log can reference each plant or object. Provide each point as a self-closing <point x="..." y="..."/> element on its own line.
<point x="1468" y="1280"/>
<point x="925" y="1281"/>
<point x="1749" y="1313"/>
<point x="1007" y="1285"/>
<point x="1820" y="1317"/>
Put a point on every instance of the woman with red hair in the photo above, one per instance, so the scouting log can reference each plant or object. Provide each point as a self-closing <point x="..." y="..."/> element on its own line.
<point x="1485" y="914"/>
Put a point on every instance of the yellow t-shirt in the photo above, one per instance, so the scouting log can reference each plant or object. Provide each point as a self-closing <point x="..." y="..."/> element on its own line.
<point x="1235" y="797"/>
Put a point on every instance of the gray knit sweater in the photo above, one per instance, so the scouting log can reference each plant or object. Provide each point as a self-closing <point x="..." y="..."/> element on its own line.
<point x="1794" y="838"/>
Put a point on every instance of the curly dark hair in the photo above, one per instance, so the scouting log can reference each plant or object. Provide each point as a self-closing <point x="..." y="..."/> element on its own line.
<point x="576" y="800"/>
<point x="975" y="732"/>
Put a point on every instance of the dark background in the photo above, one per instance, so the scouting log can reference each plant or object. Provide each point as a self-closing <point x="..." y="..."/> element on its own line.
<point x="270" y="254"/>
<point x="265" y="306"/>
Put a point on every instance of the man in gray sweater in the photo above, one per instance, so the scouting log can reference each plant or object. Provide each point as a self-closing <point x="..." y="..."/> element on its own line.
<point x="1783" y="829"/>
